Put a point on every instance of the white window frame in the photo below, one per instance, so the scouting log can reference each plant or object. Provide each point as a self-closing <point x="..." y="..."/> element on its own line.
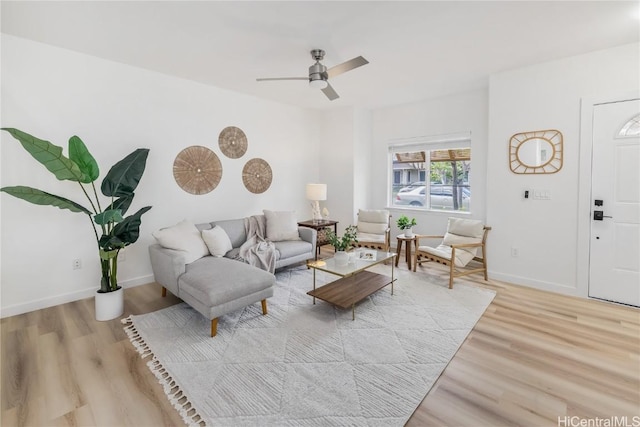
<point x="427" y="144"/>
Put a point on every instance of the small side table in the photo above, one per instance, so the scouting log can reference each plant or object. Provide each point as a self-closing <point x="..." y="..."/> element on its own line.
<point x="321" y="226"/>
<point x="407" y="247"/>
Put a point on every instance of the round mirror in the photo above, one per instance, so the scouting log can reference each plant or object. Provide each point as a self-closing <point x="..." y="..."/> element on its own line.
<point x="535" y="152"/>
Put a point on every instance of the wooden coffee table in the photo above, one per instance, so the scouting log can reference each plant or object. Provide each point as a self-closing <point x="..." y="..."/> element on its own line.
<point x="355" y="283"/>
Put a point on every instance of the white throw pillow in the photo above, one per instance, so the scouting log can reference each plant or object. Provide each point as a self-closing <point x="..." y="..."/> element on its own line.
<point x="217" y="240"/>
<point x="185" y="237"/>
<point x="281" y="225"/>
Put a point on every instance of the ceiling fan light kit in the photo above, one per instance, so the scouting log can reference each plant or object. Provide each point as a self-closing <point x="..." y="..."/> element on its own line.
<point x="319" y="74"/>
<point x="318" y="84"/>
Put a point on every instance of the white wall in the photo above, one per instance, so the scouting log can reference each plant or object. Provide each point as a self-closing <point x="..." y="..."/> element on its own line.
<point x="449" y="115"/>
<point x="362" y="151"/>
<point x="54" y="94"/>
<point x="545" y="96"/>
<point x="336" y="160"/>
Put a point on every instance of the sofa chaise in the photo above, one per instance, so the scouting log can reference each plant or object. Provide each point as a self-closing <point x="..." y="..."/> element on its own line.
<point x="218" y="284"/>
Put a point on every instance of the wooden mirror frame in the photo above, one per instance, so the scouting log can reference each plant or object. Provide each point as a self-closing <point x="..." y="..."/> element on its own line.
<point x="551" y="165"/>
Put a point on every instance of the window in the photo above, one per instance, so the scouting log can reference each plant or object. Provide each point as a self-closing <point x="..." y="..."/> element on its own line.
<point x="446" y="164"/>
<point x="631" y="128"/>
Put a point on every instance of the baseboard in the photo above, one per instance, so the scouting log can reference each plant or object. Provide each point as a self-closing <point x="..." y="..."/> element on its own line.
<point x="537" y="284"/>
<point x="39" y="304"/>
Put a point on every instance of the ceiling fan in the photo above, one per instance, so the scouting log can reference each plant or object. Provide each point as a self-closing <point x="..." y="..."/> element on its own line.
<point x="319" y="74"/>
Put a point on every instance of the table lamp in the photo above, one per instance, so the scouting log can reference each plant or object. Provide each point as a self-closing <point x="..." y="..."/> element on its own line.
<point x="315" y="193"/>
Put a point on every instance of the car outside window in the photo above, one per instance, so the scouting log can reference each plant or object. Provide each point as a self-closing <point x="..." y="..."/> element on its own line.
<point x="447" y="187"/>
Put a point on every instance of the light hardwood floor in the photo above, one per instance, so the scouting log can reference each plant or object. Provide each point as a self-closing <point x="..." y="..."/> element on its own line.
<point x="533" y="357"/>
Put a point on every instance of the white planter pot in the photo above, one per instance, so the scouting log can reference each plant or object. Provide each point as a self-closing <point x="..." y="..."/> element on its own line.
<point x="408" y="232"/>
<point x="342" y="258"/>
<point x="109" y="305"/>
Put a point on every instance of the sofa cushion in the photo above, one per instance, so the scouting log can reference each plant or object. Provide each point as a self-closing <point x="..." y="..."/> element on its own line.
<point x="281" y="225"/>
<point x="217" y="241"/>
<point x="234" y="229"/>
<point x="214" y="281"/>
<point x="290" y="248"/>
<point x="185" y="237"/>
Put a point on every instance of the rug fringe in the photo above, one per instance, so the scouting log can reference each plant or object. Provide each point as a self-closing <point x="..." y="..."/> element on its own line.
<point x="174" y="393"/>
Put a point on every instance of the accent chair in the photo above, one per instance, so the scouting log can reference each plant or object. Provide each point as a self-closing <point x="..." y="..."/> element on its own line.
<point x="460" y="245"/>
<point x="374" y="231"/>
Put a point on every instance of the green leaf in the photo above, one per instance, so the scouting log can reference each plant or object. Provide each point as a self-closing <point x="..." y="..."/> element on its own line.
<point x="49" y="155"/>
<point x="39" y="197"/>
<point x="112" y="215"/>
<point x="110" y="243"/>
<point x="122" y="203"/>
<point x="105" y="255"/>
<point x="79" y="154"/>
<point x="123" y="178"/>
<point x="124" y="233"/>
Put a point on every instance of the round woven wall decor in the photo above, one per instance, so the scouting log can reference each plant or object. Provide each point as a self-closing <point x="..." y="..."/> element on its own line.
<point x="197" y="170"/>
<point x="256" y="176"/>
<point x="232" y="142"/>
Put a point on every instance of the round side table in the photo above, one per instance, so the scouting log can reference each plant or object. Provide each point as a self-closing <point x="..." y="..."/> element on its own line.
<point x="407" y="247"/>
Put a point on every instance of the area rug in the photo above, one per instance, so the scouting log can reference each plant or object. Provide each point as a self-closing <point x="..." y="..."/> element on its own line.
<point x="311" y="365"/>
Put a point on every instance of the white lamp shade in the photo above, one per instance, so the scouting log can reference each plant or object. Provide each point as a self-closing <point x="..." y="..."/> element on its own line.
<point x="317" y="191"/>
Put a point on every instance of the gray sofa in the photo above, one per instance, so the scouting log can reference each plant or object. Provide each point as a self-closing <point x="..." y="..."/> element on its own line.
<point x="216" y="286"/>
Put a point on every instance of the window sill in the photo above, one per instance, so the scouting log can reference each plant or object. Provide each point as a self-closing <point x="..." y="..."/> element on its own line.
<point x="429" y="211"/>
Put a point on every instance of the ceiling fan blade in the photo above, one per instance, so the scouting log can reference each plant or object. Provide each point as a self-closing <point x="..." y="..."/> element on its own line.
<point x="346" y="66"/>
<point x="282" y="78"/>
<point x="330" y="93"/>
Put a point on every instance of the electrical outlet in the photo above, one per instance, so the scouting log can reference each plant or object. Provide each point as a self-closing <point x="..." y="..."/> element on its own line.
<point x="515" y="252"/>
<point x="77" y="264"/>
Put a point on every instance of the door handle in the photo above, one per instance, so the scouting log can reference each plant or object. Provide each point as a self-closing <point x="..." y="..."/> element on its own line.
<point x="599" y="215"/>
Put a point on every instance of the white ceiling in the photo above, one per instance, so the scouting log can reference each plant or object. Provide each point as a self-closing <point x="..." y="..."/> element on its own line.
<point x="416" y="50"/>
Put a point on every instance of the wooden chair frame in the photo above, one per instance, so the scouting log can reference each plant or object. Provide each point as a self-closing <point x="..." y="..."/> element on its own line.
<point x="453" y="272"/>
<point x="386" y="247"/>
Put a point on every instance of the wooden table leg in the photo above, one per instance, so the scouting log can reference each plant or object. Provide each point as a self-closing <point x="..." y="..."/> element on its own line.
<point x="407" y="249"/>
<point x="399" y="249"/>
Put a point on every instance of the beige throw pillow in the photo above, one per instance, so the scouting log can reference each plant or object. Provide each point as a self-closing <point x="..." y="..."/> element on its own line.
<point x="281" y="225"/>
<point x="185" y="237"/>
<point x="217" y="240"/>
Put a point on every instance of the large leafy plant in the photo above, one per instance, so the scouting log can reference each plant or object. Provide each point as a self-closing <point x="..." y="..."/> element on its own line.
<point x="118" y="185"/>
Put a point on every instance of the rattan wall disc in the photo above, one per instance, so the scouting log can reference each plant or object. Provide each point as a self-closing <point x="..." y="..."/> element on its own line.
<point x="197" y="170"/>
<point x="256" y="176"/>
<point x="232" y="142"/>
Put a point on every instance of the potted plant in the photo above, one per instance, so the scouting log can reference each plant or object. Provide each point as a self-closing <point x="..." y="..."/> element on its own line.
<point x="116" y="231"/>
<point x="344" y="243"/>
<point x="406" y="224"/>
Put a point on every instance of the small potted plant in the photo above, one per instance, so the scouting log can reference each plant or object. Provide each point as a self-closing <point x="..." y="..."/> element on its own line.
<point x="406" y="224"/>
<point x="344" y="243"/>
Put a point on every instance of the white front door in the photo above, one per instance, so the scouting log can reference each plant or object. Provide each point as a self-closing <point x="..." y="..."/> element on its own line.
<point x="614" y="259"/>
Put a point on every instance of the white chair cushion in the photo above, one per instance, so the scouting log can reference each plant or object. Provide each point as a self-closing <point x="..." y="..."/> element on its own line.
<point x="462" y="257"/>
<point x="372" y="238"/>
<point x="185" y="237"/>
<point x="373" y="221"/>
<point x="281" y="225"/>
<point x="217" y="240"/>
<point x="372" y="228"/>
<point x="466" y="227"/>
<point x="462" y="231"/>
<point x="379" y="216"/>
<point x="454" y="239"/>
